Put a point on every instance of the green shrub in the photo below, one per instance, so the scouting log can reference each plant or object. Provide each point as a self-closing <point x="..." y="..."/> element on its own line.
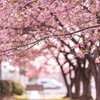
<point x="17" y="88"/>
<point x="3" y="87"/>
<point x="10" y="87"/>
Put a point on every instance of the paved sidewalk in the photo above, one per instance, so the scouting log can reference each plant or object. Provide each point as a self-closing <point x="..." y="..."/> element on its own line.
<point x="48" y="93"/>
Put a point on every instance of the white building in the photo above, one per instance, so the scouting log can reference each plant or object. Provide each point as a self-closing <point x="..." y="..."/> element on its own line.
<point x="9" y="72"/>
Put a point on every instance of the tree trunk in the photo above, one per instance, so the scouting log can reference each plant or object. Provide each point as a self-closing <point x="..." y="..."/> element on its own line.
<point x="96" y="73"/>
<point x="98" y="83"/>
<point x="98" y="88"/>
<point x="86" y="77"/>
<point x="86" y="87"/>
<point x="76" y="82"/>
<point x="64" y="76"/>
<point x="86" y="90"/>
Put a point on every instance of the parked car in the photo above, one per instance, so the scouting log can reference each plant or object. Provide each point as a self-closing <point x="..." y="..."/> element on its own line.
<point x="49" y="83"/>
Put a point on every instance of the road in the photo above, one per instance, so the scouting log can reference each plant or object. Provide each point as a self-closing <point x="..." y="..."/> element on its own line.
<point x="48" y="93"/>
<point x="54" y="93"/>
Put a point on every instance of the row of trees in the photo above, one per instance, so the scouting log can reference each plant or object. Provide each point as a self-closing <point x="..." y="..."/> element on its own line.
<point x="82" y="65"/>
<point x="67" y="28"/>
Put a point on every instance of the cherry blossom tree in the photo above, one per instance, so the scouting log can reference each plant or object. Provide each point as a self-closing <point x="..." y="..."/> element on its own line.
<point x="25" y="24"/>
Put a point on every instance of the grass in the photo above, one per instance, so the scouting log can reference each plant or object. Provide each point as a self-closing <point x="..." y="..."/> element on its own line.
<point x="60" y="99"/>
<point x="20" y="97"/>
